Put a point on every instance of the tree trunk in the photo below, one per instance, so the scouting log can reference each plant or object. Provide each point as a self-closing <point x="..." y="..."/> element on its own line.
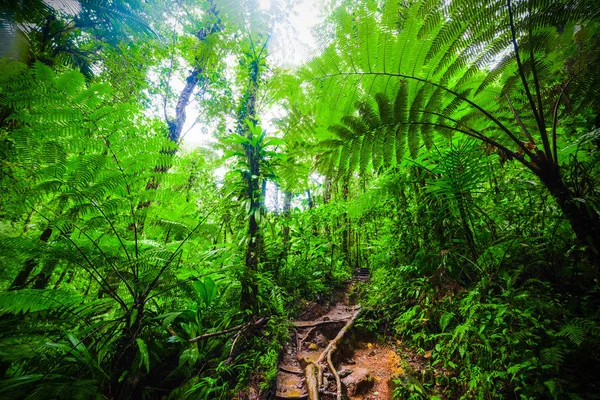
<point x="470" y="238"/>
<point x="310" y="200"/>
<point x="61" y="278"/>
<point x="347" y="239"/>
<point x="584" y="220"/>
<point x="247" y="111"/>
<point x="125" y="383"/>
<point x="287" y="210"/>
<point x="327" y="191"/>
<point x="176" y="125"/>
<point x="72" y="275"/>
<point x="276" y="200"/>
<point x="191" y="82"/>
<point x="249" y="287"/>
<point x="287" y="206"/>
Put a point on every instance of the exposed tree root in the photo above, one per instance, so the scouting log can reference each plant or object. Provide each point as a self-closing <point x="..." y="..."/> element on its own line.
<point x="301" y="397"/>
<point x="311" y="381"/>
<point x="301" y="342"/>
<point x="314" y="370"/>
<point x="338" y="381"/>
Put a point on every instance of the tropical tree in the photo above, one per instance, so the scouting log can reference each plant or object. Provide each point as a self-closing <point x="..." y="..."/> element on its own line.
<point x="79" y="160"/>
<point x="510" y="75"/>
<point x="448" y="147"/>
<point x="70" y="32"/>
<point x="200" y="48"/>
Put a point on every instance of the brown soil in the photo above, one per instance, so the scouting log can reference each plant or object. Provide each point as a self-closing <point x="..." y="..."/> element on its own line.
<point x="382" y="361"/>
<point x="316" y="327"/>
<point x="312" y="336"/>
<point x="306" y="346"/>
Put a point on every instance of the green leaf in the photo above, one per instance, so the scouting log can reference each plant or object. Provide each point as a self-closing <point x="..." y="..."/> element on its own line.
<point x="201" y="290"/>
<point x="144" y="356"/>
<point x="211" y="290"/>
<point x="273" y="141"/>
<point x="43" y="72"/>
<point x="445" y="320"/>
<point x="70" y="82"/>
<point x="133" y="316"/>
<point x="123" y="375"/>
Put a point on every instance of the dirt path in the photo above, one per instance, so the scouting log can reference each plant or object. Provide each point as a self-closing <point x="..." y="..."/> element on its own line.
<point x="382" y="362"/>
<point x="365" y="368"/>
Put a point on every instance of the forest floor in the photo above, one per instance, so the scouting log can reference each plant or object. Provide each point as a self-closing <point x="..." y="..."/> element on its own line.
<point x="367" y="368"/>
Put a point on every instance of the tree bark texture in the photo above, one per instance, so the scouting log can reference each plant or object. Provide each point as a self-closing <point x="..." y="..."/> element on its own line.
<point x="194" y="78"/>
<point x="584" y="220"/>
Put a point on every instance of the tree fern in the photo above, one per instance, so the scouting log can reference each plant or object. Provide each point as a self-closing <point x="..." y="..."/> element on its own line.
<point x="50" y="31"/>
<point x="30" y="300"/>
<point x="486" y="72"/>
<point x="442" y="42"/>
<point x="85" y="166"/>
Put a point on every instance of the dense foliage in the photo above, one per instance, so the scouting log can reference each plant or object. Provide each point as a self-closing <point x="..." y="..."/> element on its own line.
<point x="451" y="147"/>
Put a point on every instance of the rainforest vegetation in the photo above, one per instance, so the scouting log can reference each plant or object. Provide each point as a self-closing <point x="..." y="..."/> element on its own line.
<point x="435" y="162"/>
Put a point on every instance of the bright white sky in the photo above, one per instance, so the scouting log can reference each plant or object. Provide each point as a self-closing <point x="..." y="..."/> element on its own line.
<point x="294" y="42"/>
<point x="290" y="45"/>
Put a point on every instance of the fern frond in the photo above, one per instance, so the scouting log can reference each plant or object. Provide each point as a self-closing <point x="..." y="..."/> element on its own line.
<point x="32" y="300"/>
<point x="574" y="333"/>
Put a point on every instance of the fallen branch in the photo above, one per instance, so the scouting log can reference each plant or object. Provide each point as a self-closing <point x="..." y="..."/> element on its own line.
<point x="290" y="371"/>
<point x="285" y="397"/>
<point x="326" y="393"/>
<point x="310" y="324"/>
<point x="281" y="396"/>
<point x="226" y="331"/>
<point x="235" y="339"/>
<point x="314" y="382"/>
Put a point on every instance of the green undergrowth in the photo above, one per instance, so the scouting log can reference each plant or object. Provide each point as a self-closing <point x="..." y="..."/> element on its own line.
<point x="504" y="335"/>
<point x="451" y="147"/>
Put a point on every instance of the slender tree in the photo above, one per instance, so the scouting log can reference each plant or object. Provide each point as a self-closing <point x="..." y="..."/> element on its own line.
<point x="247" y="120"/>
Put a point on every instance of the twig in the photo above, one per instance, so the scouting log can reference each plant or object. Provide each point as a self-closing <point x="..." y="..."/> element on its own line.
<point x="297" y="341"/>
<point x="235" y="339"/>
<point x="226" y="331"/>
<point x="301" y="342"/>
<point x="284" y="397"/>
<point x="290" y="371"/>
<point x="326" y="393"/>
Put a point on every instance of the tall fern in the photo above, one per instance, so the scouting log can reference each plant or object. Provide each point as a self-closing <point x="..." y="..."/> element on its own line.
<point x="83" y="163"/>
<point x="503" y="73"/>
